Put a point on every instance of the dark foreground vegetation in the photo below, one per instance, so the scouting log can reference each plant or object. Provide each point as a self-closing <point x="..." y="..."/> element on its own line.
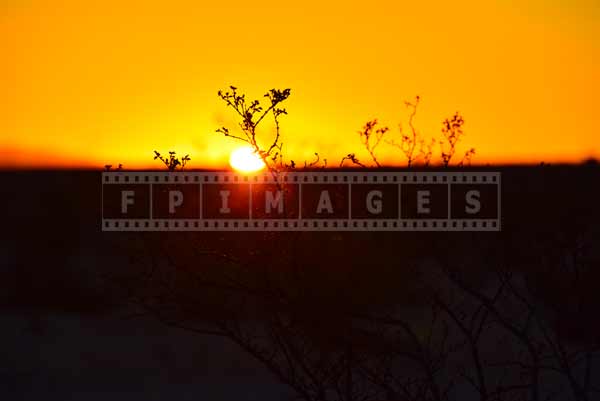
<point x="367" y="316"/>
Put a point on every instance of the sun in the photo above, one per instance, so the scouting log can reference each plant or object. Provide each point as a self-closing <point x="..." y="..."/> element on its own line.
<point x="246" y="160"/>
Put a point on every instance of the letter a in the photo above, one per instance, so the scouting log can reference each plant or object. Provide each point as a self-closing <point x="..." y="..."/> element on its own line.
<point x="324" y="203"/>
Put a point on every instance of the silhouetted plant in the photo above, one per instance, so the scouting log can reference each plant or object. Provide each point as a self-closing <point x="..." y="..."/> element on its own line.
<point x="408" y="141"/>
<point x="352" y="157"/>
<point x="467" y="157"/>
<point x="489" y="334"/>
<point x="452" y="132"/>
<point x="413" y="146"/>
<point x="315" y="162"/>
<point x="477" y="335"/>
<point x="426" y="150"/>
<point x="108" y="167"/>
<point x="371" y="137"/>
<point x="252" y="114"/>
<point x="172" y="162"/>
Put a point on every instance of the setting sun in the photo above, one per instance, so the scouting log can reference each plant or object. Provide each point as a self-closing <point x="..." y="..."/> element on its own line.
<point x="246" y="160"/>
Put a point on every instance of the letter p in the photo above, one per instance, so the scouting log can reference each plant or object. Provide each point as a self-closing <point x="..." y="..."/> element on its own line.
<point x="175" y="200"/>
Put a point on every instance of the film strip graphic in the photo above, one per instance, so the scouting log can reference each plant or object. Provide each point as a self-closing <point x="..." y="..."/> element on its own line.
<point x="301" y="201"/>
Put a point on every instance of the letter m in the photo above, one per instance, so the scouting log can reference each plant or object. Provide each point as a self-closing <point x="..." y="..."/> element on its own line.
<point x="274" y="201"/>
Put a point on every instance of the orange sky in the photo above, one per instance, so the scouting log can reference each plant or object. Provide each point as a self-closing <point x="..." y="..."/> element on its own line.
<point x="95" y="84"/>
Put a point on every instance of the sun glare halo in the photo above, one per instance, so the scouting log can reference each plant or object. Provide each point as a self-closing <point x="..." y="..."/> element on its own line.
<point x="246" y="160"/>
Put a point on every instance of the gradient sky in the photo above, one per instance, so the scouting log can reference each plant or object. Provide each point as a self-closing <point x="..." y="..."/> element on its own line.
<point x="108" y="83"/>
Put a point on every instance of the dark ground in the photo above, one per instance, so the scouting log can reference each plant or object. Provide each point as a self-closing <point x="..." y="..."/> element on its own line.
<point x="67" y="334"/>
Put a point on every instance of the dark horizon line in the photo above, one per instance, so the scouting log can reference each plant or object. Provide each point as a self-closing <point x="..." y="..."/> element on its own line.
<point x="587" y="162"/>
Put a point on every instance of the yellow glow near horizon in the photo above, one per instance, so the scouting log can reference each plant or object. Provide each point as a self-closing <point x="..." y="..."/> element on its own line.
<point x="95" y="83"/>
<point x="246" y="160"/>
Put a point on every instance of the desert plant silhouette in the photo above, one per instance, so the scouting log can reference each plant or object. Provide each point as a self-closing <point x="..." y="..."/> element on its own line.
<point x="459" y="330"/>
<point x="413" y="146"/>
<point x="469" y="325"/>
<point x="252" y="114"/>
<point x="172" y="162"/>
